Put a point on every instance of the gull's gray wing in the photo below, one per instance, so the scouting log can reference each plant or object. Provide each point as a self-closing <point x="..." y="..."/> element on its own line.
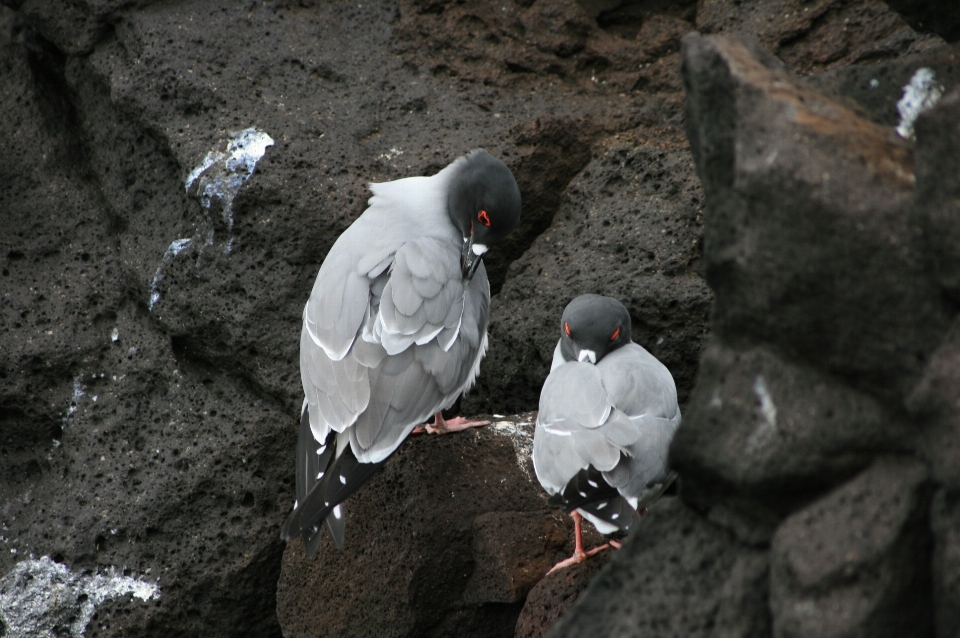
<point x="577" y="426"/>
<point x="606" y="427"/>
<point x="644" y="391"/>
<point x="416" y="347"/>
<point x="339" y="300"/>
<point x="417" y="337"/>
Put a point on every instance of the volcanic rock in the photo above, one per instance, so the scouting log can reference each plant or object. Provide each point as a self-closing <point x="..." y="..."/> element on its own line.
<point x="678" y="575"/>
<point x="446" y="541"/>
<point x="174" y="174"/>
<point x="857" y="562"/>
<point x="152" y="295"/>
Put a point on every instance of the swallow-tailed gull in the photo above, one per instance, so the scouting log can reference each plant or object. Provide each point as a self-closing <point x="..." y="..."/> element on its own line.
<point x="394" y="329"/>
<point x="608" y="411"/>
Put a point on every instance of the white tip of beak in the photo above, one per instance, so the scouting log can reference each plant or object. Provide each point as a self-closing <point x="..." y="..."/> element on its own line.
<point x="587" y="356"/>
<point x="479" y="249"/>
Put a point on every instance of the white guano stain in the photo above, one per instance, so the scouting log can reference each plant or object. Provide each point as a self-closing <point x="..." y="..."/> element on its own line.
<point x="74" y="400"/>
<point x="393" y="152"/>
<point x="716" y="402"/>
<point x="767" y="407"/>
<point x="519" y="429"/>
<point x="175" y="248"/>
<point x="219" y="176"/>
<point x="919" y="95"/>
<point x="39" y="597"/>
<point x="766" y="431"/>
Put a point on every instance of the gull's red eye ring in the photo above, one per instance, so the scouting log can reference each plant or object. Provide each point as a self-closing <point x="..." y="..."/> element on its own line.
<point x="566" y="328"/>
<point x="616" y="333"/>
<point x="484" y="218"/>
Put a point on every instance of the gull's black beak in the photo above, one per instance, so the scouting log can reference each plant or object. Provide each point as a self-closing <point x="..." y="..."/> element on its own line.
<point x="469" y="260"/>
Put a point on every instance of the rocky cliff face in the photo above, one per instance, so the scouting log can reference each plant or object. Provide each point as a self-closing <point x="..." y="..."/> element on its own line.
<point x="816" y="440"/>
<point x="174" y="173"/>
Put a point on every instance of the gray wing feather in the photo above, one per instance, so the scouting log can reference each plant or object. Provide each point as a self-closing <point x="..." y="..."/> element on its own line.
<point x="573" y="398"/>
<point x="415" y="352"/>
<point x="618" y="415"/>
<point x="406" y="316"/>
<point x="644" y="391"/>
<point x="594" y="447"/>
<point x="335" y="310"/>
<point x="553" y="458"/>
<point x="430" y="379"/>
<point x="330" y="392"/>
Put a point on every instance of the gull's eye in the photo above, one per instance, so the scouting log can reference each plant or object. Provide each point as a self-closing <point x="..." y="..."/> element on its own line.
<point x="616" y="333"/>
<point x="566" y="328"/>
<point x="484" y="218"/>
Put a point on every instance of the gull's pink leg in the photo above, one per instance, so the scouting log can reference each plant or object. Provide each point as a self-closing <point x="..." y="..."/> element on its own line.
<point x="578" y="554"/>
<point x="442" y="426"/>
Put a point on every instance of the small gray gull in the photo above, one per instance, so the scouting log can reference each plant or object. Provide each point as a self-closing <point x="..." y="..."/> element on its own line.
<point x="608" y="411"/>
<point x="394" y="329"/>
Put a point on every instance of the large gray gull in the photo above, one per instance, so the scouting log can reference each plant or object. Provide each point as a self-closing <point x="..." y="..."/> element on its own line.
<point x="394" y="329"/>
<point x="608" y="411"/>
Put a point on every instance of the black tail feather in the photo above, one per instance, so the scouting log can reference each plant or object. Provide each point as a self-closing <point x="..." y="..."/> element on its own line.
<point x="336" y="525"/>
<point x="589" y="492"/>
<point x="308" y="467"/>
<point x="318" y="494"/>
<point x="311" y="541"/>
<point x="587" y="486"/>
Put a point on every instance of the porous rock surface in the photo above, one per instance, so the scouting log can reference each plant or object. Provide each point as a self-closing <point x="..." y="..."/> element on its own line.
<point x="148" y="327"/>
<point x="149" y="318"/>
<point x="821" y="433"/>
<point x="454" y="530"/>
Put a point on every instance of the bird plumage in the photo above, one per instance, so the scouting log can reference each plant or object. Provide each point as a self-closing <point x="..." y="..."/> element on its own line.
<point x="604" y="430"/>
<point x="393" y="332"/>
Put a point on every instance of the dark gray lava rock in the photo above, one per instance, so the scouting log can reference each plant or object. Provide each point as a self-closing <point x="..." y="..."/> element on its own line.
<point x="490" y="41"/>
<point x="945" y="521"/>
<point x="942" y="18"/>
<point x="805" y="197"/>
<point x="934" y="401"/>
<point x="446" y="541"/>
<point x="628" y="227"/>
<point x="857" y="562"/>
<point x="934" y="404"/>
<point x="817" y="36"/>
<point x="73" y="27"/>
<point x="677" y="576"/>
<point x="556" y="593"/>
<point x="938" y="188"/>
<point x="762" y="436"/>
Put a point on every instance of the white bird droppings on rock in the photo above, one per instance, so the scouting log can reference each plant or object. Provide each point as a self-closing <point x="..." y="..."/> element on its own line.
<point x="218" y="177"/>
<point x="38" y="598"/>
<point x="175" y="248"/>
<point x="74" y="400"/>
<point x="919" y="95"/>
<point x="221" y="173"/>
<point x="767" y="407"/>
<point x="519" y="429"/>
<point x="766" y="431"/>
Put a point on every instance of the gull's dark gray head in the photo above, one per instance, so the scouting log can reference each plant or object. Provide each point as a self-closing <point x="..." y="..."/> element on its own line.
<point x="484" y="203"/>
<point x="591" y="327"/>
